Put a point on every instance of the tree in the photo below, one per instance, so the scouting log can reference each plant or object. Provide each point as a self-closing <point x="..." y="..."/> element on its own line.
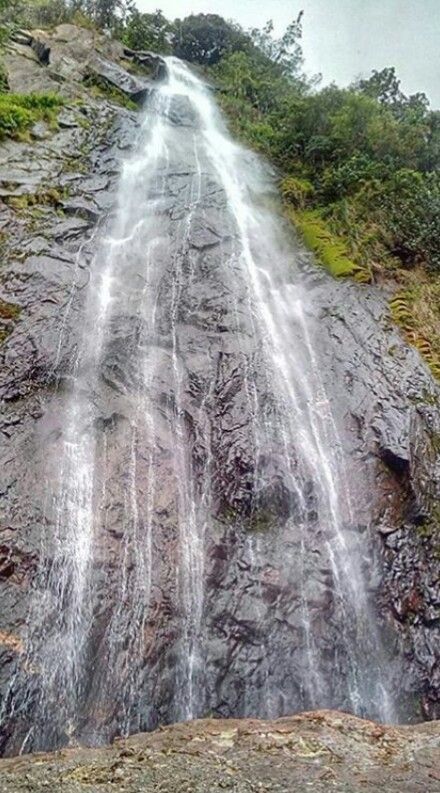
<point x="105" y="14"/>
<point x="148" y="32"/>
<point x="285" y="52"/>
<point x="383" y="86"/>
<point x="206" y="38"/>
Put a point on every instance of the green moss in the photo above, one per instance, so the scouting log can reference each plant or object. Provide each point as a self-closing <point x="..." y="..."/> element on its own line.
<point x="50" y="197"/>
<point x="329" y="249"/>
<point x="295" y="191"/>
<point x="9" y="310"/>
<point x="8" y="313"/>
<point x="261" y="520"/>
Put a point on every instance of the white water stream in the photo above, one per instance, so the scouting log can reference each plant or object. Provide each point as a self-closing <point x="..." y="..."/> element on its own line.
<point x="127" y="278"/>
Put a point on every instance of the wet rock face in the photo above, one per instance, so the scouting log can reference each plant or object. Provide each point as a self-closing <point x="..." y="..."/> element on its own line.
<point x="392" y="408"/>
<point x="253" y="627"/>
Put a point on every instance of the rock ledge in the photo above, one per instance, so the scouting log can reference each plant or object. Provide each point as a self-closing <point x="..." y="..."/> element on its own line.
<point x="320" y="751"/>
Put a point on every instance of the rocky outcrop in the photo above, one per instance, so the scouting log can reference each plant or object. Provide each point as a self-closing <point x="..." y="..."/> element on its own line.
<point x="71" y="55"/>
<point x="322" y="751"/>
<point x="57" y="196"/>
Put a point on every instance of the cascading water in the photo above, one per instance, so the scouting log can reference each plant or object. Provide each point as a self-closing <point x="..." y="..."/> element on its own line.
<point x="201" y="552"/>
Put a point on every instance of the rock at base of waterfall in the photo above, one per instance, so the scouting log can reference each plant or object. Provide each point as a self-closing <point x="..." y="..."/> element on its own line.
<point x="322" y="750"/>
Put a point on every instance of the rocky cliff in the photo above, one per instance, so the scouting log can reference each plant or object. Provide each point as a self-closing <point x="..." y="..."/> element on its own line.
<point x="57" y="192"/>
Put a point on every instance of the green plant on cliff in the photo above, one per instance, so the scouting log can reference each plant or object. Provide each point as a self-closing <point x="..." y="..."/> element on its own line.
<point x="18" y="112"/>
<point x="360" y="171"/>
<point x="330" y="250"/>
<point x="148" y="32"/>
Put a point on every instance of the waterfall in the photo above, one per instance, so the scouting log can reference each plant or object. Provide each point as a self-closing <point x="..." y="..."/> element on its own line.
<point x="201" y="552"/>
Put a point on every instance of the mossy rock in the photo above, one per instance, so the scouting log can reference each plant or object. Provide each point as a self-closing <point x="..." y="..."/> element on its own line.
<point x="296" y="191"/>
<point x="99" y="87"/>
<point x="9" y="313"/>
<point x="329" y="249"/>
<point x="52" y="197"/>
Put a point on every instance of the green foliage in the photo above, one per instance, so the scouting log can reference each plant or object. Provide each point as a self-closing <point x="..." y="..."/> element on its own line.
<point x="412" y="203"/>
<point x="348" y="177"/>
<point x="285" y="53"/>
<point x="297" y="192"/>
<point x="35" y="13"/>
<point x="148" y="32"/>
<point x="19" y="111"/>
<point x="206" y="38"/>
<point x="329" y="249"/>
<point x="36" y="101"/>
<point x="105" y="14"/>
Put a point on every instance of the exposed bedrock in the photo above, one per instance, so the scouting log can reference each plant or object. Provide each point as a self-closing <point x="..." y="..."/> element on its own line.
<point x="323" y="750"/>
<point x="253" y="631"/>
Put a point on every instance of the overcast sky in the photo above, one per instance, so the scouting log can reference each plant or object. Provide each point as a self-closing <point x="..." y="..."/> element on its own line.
<point x="343" y="39"/>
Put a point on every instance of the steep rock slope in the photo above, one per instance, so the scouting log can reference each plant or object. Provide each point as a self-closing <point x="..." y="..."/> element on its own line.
<point x="56" y="191"/>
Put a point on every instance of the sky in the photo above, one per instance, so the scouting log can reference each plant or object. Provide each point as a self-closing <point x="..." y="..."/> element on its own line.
<point x="344" y="39"/>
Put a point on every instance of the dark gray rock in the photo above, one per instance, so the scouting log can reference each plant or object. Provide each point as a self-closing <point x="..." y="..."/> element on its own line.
<point x="253" y="634"/>
<point x="117" y="77"/>
<point x="150" y="61"/>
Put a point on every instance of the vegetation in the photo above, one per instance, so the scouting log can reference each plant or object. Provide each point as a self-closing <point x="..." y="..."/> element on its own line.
<point x="148" y="32"/>
<point x="359" y="166"/>
<point x="18" y="112"/>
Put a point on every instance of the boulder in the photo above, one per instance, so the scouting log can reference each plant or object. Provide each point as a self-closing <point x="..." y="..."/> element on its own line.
<point x="116" y="77"/>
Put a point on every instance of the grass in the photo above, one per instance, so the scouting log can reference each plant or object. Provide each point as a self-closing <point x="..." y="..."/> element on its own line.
<point x="18" y="112"/>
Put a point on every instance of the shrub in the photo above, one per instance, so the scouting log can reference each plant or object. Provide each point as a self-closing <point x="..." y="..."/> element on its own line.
<point x="412" y="201"/>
